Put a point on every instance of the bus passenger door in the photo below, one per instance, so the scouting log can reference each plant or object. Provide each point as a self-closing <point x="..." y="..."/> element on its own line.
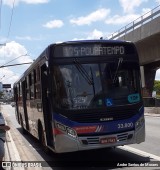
<point x="47" y="113"/>
<point x="24" y="104"/>
<point x="16" y="103"/>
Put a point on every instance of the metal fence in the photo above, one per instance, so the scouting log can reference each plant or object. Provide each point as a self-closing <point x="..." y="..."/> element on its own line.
<point x="147" y="17"/>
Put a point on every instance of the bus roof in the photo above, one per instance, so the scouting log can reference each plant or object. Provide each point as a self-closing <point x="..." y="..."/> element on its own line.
<point x="93" y="41"/>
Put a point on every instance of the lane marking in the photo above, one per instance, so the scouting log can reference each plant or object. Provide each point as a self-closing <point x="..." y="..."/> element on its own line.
<point x="137" y="151"/>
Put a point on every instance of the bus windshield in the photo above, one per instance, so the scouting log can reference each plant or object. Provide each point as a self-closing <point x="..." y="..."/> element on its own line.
<point x="90" y="86"/>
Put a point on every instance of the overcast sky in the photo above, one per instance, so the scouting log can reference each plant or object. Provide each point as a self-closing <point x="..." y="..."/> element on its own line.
<point x="32" y="25"/>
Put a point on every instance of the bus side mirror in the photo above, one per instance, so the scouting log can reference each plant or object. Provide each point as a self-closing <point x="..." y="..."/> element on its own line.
<point x="142" y="76"/>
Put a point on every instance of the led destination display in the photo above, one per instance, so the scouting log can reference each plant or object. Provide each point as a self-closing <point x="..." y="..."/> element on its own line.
<point x="94" y="50"/>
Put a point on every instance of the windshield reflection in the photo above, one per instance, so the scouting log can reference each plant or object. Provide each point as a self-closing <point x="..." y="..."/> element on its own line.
<point x="90" y="86"/>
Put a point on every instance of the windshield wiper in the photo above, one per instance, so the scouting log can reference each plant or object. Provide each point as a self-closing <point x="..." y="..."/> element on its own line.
<point x="120" y="61"/>
<point x="84" y="73"/>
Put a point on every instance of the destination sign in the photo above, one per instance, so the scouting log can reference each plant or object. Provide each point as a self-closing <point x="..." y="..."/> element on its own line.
<point x="92" y="50"/>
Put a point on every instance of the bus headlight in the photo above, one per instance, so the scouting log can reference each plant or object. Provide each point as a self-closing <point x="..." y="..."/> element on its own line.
<point x="66" y="129"/>
<point x="61" y="127"/>
<point x="71" y="132"/>
<point x="139" y="123"/>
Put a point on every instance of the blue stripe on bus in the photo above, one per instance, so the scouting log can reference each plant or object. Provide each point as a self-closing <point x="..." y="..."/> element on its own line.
<point x="103" y="127"/>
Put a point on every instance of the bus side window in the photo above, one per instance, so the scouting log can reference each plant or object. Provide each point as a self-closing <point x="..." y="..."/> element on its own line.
<point x="34" y="82"/>
<point x="27" y="88"/>
<point x="37" y="85"/>
<point x="31" y="85"/>
<point x="20" y="91"/>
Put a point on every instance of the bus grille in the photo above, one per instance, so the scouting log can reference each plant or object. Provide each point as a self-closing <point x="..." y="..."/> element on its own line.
<point x="102" y="116"/>
<point x="96" y="140"/>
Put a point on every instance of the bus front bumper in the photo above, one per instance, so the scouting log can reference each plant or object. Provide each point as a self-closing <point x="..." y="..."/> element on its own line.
<point x="66" y="143"/>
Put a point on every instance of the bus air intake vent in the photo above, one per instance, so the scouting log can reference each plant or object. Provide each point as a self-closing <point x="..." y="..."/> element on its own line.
<point x="102" y="116"/>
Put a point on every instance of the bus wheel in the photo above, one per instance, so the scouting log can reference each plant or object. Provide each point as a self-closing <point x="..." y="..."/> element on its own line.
<point x="42" y="138"/>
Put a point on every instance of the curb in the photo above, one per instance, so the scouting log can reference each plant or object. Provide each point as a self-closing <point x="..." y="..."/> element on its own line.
<point x="152" y="114"/>
<point x="11" y="153"/>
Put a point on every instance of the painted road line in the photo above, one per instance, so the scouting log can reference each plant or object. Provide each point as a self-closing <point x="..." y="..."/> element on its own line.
<point x="137" y="151"/>
<point x="13" y="149"/>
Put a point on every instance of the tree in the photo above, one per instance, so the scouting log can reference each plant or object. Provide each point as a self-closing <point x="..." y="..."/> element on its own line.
<point x="157" y="86"/>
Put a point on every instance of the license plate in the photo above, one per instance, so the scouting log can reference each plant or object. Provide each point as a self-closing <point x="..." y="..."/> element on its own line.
<point x="108" y="140"/>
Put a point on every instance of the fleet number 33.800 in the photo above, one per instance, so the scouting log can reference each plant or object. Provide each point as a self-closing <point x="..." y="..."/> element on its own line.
<point x="125" y="125"/>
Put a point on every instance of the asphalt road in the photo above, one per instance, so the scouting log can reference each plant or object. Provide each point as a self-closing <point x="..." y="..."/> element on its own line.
<point x="30" y="150"/>
<point x="152" y="142"/>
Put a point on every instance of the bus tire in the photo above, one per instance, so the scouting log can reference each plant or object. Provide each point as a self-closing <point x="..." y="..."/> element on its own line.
<point x="42" y="138"/>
